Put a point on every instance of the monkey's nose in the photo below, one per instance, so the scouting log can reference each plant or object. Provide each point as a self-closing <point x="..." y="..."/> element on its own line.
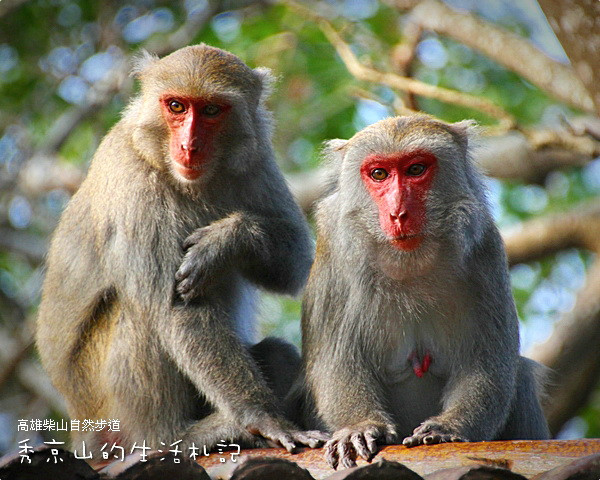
<point x="398" y="216"/>
<point x="189" y="147"/>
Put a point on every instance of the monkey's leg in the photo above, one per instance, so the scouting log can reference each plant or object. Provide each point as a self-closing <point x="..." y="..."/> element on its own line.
<point x="526" y="420"/>
<point x="279" y="362"/>
<point x="476" y="405"/>
<point x="351" y="402"/>
<point x="200" y="342"/>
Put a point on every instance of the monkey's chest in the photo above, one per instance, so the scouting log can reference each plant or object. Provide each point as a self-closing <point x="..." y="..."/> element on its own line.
<point x="414" y="361"/>
<point x="416" y="375"/>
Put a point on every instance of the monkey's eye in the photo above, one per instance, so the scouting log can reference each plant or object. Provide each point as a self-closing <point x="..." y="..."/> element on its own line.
<point x="211" y="110"/>
<point x="176" y="107"/>
<point x="379" y="174"/>
<point x="416" y="169"/>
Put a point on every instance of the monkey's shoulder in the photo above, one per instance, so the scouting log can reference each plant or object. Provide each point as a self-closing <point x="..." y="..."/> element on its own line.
<point x="117" y="161"/>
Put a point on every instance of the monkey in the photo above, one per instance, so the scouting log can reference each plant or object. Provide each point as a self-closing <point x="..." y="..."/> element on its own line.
<point x="147" y="305"/>
<point x="409" y="328"/>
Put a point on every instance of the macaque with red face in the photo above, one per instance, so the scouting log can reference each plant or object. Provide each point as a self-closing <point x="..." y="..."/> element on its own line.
<point x="398" y="184"/>
<point x="409" y="327"/>
<point x="147" y="306"/>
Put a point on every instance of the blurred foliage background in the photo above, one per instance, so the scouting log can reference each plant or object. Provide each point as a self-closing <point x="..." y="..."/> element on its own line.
<point x="63" y="83"/>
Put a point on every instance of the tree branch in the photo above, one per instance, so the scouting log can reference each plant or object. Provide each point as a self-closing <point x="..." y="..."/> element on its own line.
<point x="575" y="25"/>
<point x="118" y="80"/>
<point x="506" y="48"/>
<point x="394" y="81"/>
<point x="7" y="5"/>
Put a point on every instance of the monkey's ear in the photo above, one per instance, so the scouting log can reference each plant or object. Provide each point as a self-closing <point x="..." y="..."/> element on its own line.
<point x="467" y="127"/>
<point x="267" y="79"/>
<point x="465" y="131"/>
<point x="333" y="152"/>
<point x="141" y="62"/>
<point x="334" y="147"/>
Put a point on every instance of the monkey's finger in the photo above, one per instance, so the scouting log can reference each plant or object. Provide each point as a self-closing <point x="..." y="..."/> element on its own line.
<point x="194" y="238"/>
<point x="331" y="454"/>
<point x="188" y="291"/>
<point x="446" y="438"/>
<point x="183" y="272"/>
<point x="346" y="454"/>
<point x="184" y="286"/>
<point x="371" y="442"/>
<point x="312" y="438"/>
<point x="433" y="439"/>
<point x="189" y="243"/>
<point x="259" y="442"/>
<point x="312" y="443"/>
<point x="360" y="446"/>
<point x="318" y="434"/>
<point x="192" y="286"/>
<point x="410" y="442"/>
<point x="308" y="440"/>
<point x="287" y="442"/>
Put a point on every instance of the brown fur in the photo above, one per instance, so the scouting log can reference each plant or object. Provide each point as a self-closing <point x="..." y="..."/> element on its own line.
<point x="120" y="338"/>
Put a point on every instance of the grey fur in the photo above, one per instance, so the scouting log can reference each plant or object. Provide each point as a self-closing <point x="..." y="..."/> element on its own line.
<point x="367" y="306"/>
<point x="115" y="337"/>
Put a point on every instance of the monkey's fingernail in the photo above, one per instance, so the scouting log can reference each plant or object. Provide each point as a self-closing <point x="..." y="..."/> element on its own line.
<point x="411" y="442"/>
<point x="289" y="446"/>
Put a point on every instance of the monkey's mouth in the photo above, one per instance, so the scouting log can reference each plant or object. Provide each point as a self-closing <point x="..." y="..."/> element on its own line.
<point x="187" y="173"/>
<point x="404" y="237"/>
<point x="407" y="242"/>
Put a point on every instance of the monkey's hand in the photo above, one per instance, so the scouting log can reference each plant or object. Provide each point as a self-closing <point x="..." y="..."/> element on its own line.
<point x="431" y="432"/>
<point x="281" y="432"/>
<point x="357" y="441"/>
<point x="207" y="257"/>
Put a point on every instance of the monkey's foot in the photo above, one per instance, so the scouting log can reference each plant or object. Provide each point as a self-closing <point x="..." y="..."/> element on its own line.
<point x="281" y="432"/>
<point x="357" y="441"/>
<point x="430" y="433"/>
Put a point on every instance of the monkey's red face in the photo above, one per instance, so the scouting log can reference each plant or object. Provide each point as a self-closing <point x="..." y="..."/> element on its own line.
<point x="194" y="124"/>
<point x="399" y="183"/>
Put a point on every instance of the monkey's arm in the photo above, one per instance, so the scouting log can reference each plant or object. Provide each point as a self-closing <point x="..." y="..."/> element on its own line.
<point x="272" y="252"/>
<point x="347" y="394"/>
<point x="475" y="408"/>
<point x="207" y="351"/>
<point x="479" y="393"/>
